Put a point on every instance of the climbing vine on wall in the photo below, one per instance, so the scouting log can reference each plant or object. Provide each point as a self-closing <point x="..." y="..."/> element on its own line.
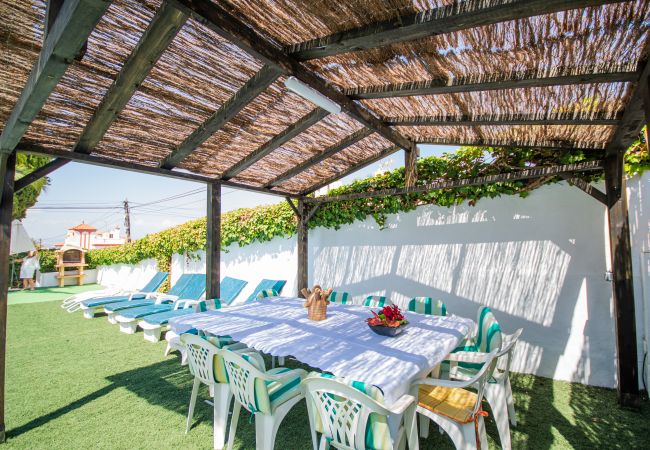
<point x="263" y="223"/>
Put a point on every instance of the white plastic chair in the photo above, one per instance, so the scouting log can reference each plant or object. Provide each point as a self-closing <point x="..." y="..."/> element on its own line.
<point x="456" y="410"/>
<point x="254" y="389"/>
<point x="207" y="367"/>
<point x="342" y="414"/>
<point x="498" y="391"/>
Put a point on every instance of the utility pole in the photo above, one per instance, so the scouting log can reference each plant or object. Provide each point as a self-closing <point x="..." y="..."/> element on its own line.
<point x="127" y="220"/>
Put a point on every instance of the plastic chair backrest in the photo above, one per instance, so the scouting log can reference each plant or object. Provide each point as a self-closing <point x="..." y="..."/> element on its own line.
<point x="488" y="336"/>
<point x="426" y="305"/>
<point x="242" y="376"/>
<point x="344" y="411"/>
<point x="156" y="281"/>
<point x="200" y="354"/>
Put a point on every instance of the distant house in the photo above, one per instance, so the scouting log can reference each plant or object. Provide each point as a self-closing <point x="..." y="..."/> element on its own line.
<point x="87" y="237"/>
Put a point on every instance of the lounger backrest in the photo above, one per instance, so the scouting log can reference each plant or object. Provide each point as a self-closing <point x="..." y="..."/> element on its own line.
<point x="195" y="287"/>
<point x="230" y="289"/>
<point x="264" y="285"/>
<point x="181" y="283"/>
<point x="156" y="281"/>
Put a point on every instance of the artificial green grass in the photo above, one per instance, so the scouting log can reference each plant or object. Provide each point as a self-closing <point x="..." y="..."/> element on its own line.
<point x="48" y="294"/>
<point x="77" y="383"/>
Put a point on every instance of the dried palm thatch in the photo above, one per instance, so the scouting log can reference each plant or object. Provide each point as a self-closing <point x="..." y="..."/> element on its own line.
<point x="200" y="71"/>
<point x="607" y="38"/>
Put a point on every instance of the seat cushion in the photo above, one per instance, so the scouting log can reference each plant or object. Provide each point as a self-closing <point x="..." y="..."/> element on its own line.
<point x="101" y="301"/>
<point x="136" y="313"/>
<point x="115" y="307"/>
<point x="340" y="297"/>
<point x="456" y="404"/>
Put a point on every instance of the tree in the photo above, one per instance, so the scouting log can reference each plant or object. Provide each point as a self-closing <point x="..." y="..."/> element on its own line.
<point x="28" y="196"/>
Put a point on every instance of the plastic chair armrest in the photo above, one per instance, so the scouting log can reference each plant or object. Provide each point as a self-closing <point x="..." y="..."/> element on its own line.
<point x="165" y="298"/>
<point x="445" y="383"/>
<point x="401" y="404"/>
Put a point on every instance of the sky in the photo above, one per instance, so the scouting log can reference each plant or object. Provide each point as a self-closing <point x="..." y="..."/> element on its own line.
<point x="95" y="195"/>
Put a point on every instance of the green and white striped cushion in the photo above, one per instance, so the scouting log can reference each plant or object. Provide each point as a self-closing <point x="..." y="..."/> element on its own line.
<point x="340" y="297"/>
<point x="488" y="337"/>
<point x="267" y="293"/>
<point x="376" y="301"/>
<point x="426" y="305"/>
<point x="377" y="431"/>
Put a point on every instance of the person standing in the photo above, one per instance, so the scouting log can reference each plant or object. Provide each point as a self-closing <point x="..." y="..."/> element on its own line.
<point x="28" y="269"/>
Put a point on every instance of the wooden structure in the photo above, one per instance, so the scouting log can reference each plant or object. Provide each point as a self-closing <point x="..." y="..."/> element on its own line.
<point x="193" y="89"/>
<point x="70" y="258"/>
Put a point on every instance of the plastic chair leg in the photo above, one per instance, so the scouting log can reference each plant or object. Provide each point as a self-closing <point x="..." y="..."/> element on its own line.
<point x="233" y="424"/>
<point x="424" y="426"/>
<point x="221" y="407"/>
<point x="511" y="403"/>
<point x="496" y="396"/>
<point x="266" y="427"/>
<point x="190" y="413"/>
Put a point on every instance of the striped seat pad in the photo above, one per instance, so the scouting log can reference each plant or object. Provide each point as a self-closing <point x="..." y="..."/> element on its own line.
<point x="454" y="403"/>
<point x="426" y="305"/>
<point x="340" y="297"/>
<point x="136" y="313"/>
<point x="114" y="307"/>
<point x="377" y="431"/>
<point x="101" y="301"/>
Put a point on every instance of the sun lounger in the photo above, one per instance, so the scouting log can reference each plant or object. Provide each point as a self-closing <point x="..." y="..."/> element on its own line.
<point x="154" y="324"/>
<point x="264" y="285"/>
<point x="91" y="305"/>
<point x="188" y="286"/>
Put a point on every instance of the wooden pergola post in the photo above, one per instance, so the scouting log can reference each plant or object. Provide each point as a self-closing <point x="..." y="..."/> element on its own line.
<point x="623" y="288"/>
<point x="303" y="247"/>
<point x="7" y="173"/>
<point x="213" y="244"/>
<point x="411" y="166"/>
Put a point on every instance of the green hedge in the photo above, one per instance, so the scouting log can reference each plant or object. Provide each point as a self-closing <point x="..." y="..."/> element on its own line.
<point x="263" y="223"/>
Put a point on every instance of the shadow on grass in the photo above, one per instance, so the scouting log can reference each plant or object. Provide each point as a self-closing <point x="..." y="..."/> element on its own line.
<point x="550" y="414"/>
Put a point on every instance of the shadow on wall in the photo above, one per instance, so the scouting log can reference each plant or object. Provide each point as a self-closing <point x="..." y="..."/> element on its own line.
<point x="538" y="263"/>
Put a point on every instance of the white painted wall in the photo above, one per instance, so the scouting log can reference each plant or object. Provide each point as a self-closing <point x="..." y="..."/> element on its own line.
<point x="48" y="279"/>
<point x="538" y="262"/>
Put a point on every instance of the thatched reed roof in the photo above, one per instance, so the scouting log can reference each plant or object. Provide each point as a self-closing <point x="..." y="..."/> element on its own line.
<point x="539" y="75"/>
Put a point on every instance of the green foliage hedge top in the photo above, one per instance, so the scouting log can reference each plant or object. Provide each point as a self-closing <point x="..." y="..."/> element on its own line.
<point x="261" y="224"/>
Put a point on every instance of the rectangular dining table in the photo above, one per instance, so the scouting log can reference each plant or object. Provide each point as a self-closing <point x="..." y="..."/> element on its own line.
<point x="342" y="344"/>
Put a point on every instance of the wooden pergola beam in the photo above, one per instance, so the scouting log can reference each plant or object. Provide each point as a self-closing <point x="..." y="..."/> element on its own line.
<point x="213" y="242"/>
<point x="526" y="174"/>
<point x="39" y="173"/>
<point x="365" y="163"/>
<point x="564" y="146"/>
<point x="286" y="135"/>
<point x="7" y="173"/>
<point x="247" y="93"/>
<point x="584" y="186"/>
<point x="133" y="167"/>
<point x="320" y="157"/>
<point x="216" y="18"/>
<point x="161" y="31"/>
<point x="527" y="79"/>
<point x="509" y="120"/>
<point x="74" y="23"/>
<point x="447" y="19"/>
